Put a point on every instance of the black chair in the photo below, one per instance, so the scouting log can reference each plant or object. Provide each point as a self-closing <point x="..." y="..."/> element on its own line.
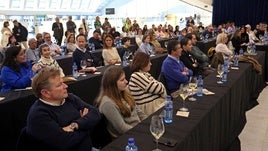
<point x="161" y="78"/>
<point x="100" y="136"/>
<point x="26" y="143"/>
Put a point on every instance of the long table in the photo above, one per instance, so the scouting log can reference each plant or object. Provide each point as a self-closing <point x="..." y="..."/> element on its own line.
<point x="214" y="122"/>
<point x="15" y="107"/>
<point x="265" y="49"/>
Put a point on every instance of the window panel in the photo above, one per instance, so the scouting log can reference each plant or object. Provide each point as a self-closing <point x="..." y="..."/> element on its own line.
<point x="31" y="4"/>
<point x="66" y="4"/>
<point x="4" y="4"/>
<point x="75" y="4"/>
<point x="44" y="4"/>
<point x="55" y="4"/>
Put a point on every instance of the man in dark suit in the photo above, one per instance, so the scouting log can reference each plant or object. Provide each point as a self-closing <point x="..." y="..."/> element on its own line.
<point x="58" y="30"/>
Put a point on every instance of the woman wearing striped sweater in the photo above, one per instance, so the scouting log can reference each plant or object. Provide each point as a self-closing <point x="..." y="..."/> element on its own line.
<point x="148" y="93"/>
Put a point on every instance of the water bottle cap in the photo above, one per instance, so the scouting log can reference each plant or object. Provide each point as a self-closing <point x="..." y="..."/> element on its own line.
<point x="130" y="140"/>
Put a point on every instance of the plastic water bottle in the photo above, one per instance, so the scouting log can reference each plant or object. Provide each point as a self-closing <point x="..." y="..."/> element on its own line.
<point x="235" y="60"/>
<point x="75" y="72"/>
<point x="168" y="110"/>
<point x="124" y="62"/>
<point x="224" y="75"/>
<point x="131" y="145"/>
<point x="253" y="48"/>
<point x="241" y="52"/>
<point x="199" y="86"/>
<point x="93" y="47"/>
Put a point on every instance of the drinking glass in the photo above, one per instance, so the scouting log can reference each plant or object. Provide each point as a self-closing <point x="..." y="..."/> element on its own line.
<point x="183" y="94"/>
<point x="157" y="129"/>
<point x="192" y="86"/>
<point x="83" y="64"/>
<point x="220" y="72"/>
<point x="89" y="62"/>
<point x="166" y="43"/>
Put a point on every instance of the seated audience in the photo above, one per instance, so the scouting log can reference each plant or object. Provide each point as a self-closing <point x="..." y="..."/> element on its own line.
<point x="16" y="71"/>
<point x="54" y="48"/>
<point x="117" y="104"/>
<point x="138" y="37"/>
<point x="146" y="46"/>
<point x="200" y="56"/>
<point x="39" y="39"/>
<point x="124" y="49"/>
<point x="59" y="120"/>
<point x="188" y="59"/>
<point x="251" y="34"/>
<point x="95" y="39"/>
<point x="81" y="53"/>
<point x="32" y="52"/>
<point x="109" y="53"/>
<point x="244" y="35"/>
<point x="148" y="93"/>
<point x="70" y="46"/>
<point x="12" y="41"/>
<point x="46" y="61"/>
<point x="221" y="45"/>
<point x="237" y="42"/>
<point x="173" y="69"/>
<point x="156" y="44"/>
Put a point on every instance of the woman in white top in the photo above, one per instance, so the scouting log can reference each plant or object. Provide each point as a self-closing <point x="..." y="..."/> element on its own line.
<point x="109" y="53"/>
<point x="139" y="37"/>
<point x="221" y="45"/>
<point x="47" y="61"/>
<point x="6" y="33"/>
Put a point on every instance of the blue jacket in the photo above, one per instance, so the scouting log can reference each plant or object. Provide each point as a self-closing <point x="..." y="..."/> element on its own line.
<point x="14" y="80"/>
<point x="172" y="71"/>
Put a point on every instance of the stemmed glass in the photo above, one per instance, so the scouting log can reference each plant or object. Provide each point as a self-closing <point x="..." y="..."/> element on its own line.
<point x="192" y="86"/>
<point x="166" y="43"/>
<point x="157" y="128"/>
<point x="220" y="72"/>
<point x="83" y="64"/>
<point x="127" y="54"/>
<point x="183" y="94"/>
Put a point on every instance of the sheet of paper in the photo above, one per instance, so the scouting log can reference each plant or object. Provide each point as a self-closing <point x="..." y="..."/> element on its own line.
<point x="183" y="114"/>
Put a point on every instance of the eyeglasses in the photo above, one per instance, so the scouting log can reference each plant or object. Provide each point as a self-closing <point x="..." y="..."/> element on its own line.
<point x="47" y="37"/>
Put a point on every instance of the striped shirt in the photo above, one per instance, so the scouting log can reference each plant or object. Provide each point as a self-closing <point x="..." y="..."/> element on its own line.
<point x="144" y="88"/>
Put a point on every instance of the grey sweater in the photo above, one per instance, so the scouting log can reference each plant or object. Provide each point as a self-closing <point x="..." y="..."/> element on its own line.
<point x="117" y="124"/>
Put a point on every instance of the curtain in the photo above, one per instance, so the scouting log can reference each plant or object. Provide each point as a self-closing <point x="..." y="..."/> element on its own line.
<point x="242" y="12"/>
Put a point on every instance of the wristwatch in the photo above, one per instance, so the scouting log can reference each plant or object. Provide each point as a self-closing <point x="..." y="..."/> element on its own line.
<point x="73" y="126"/>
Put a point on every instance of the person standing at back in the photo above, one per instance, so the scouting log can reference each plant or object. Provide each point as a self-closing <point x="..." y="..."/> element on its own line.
<point x="57" y="28"/>
<point x="20" y="33"/>
<point x="85" y="27"/>
<point x="97" y="24"/>
<point x="59" y="120"/>
<point x="6" y="33"/>
<point x="70" y="25"/>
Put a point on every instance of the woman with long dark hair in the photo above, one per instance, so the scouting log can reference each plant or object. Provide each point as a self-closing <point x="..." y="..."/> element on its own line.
<point x="16" y="71"/>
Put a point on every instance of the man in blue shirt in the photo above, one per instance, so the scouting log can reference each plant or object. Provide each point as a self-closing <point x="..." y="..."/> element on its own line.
<point x="173" y="69"/>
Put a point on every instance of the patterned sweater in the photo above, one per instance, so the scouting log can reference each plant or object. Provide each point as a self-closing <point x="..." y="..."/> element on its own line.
<point x="144" y="88"/>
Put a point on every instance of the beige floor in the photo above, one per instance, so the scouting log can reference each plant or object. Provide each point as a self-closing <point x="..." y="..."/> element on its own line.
<point x="254" y="137"/>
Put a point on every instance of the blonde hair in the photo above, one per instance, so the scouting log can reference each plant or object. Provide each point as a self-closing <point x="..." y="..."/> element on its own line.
<point x="220" y="38"/>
